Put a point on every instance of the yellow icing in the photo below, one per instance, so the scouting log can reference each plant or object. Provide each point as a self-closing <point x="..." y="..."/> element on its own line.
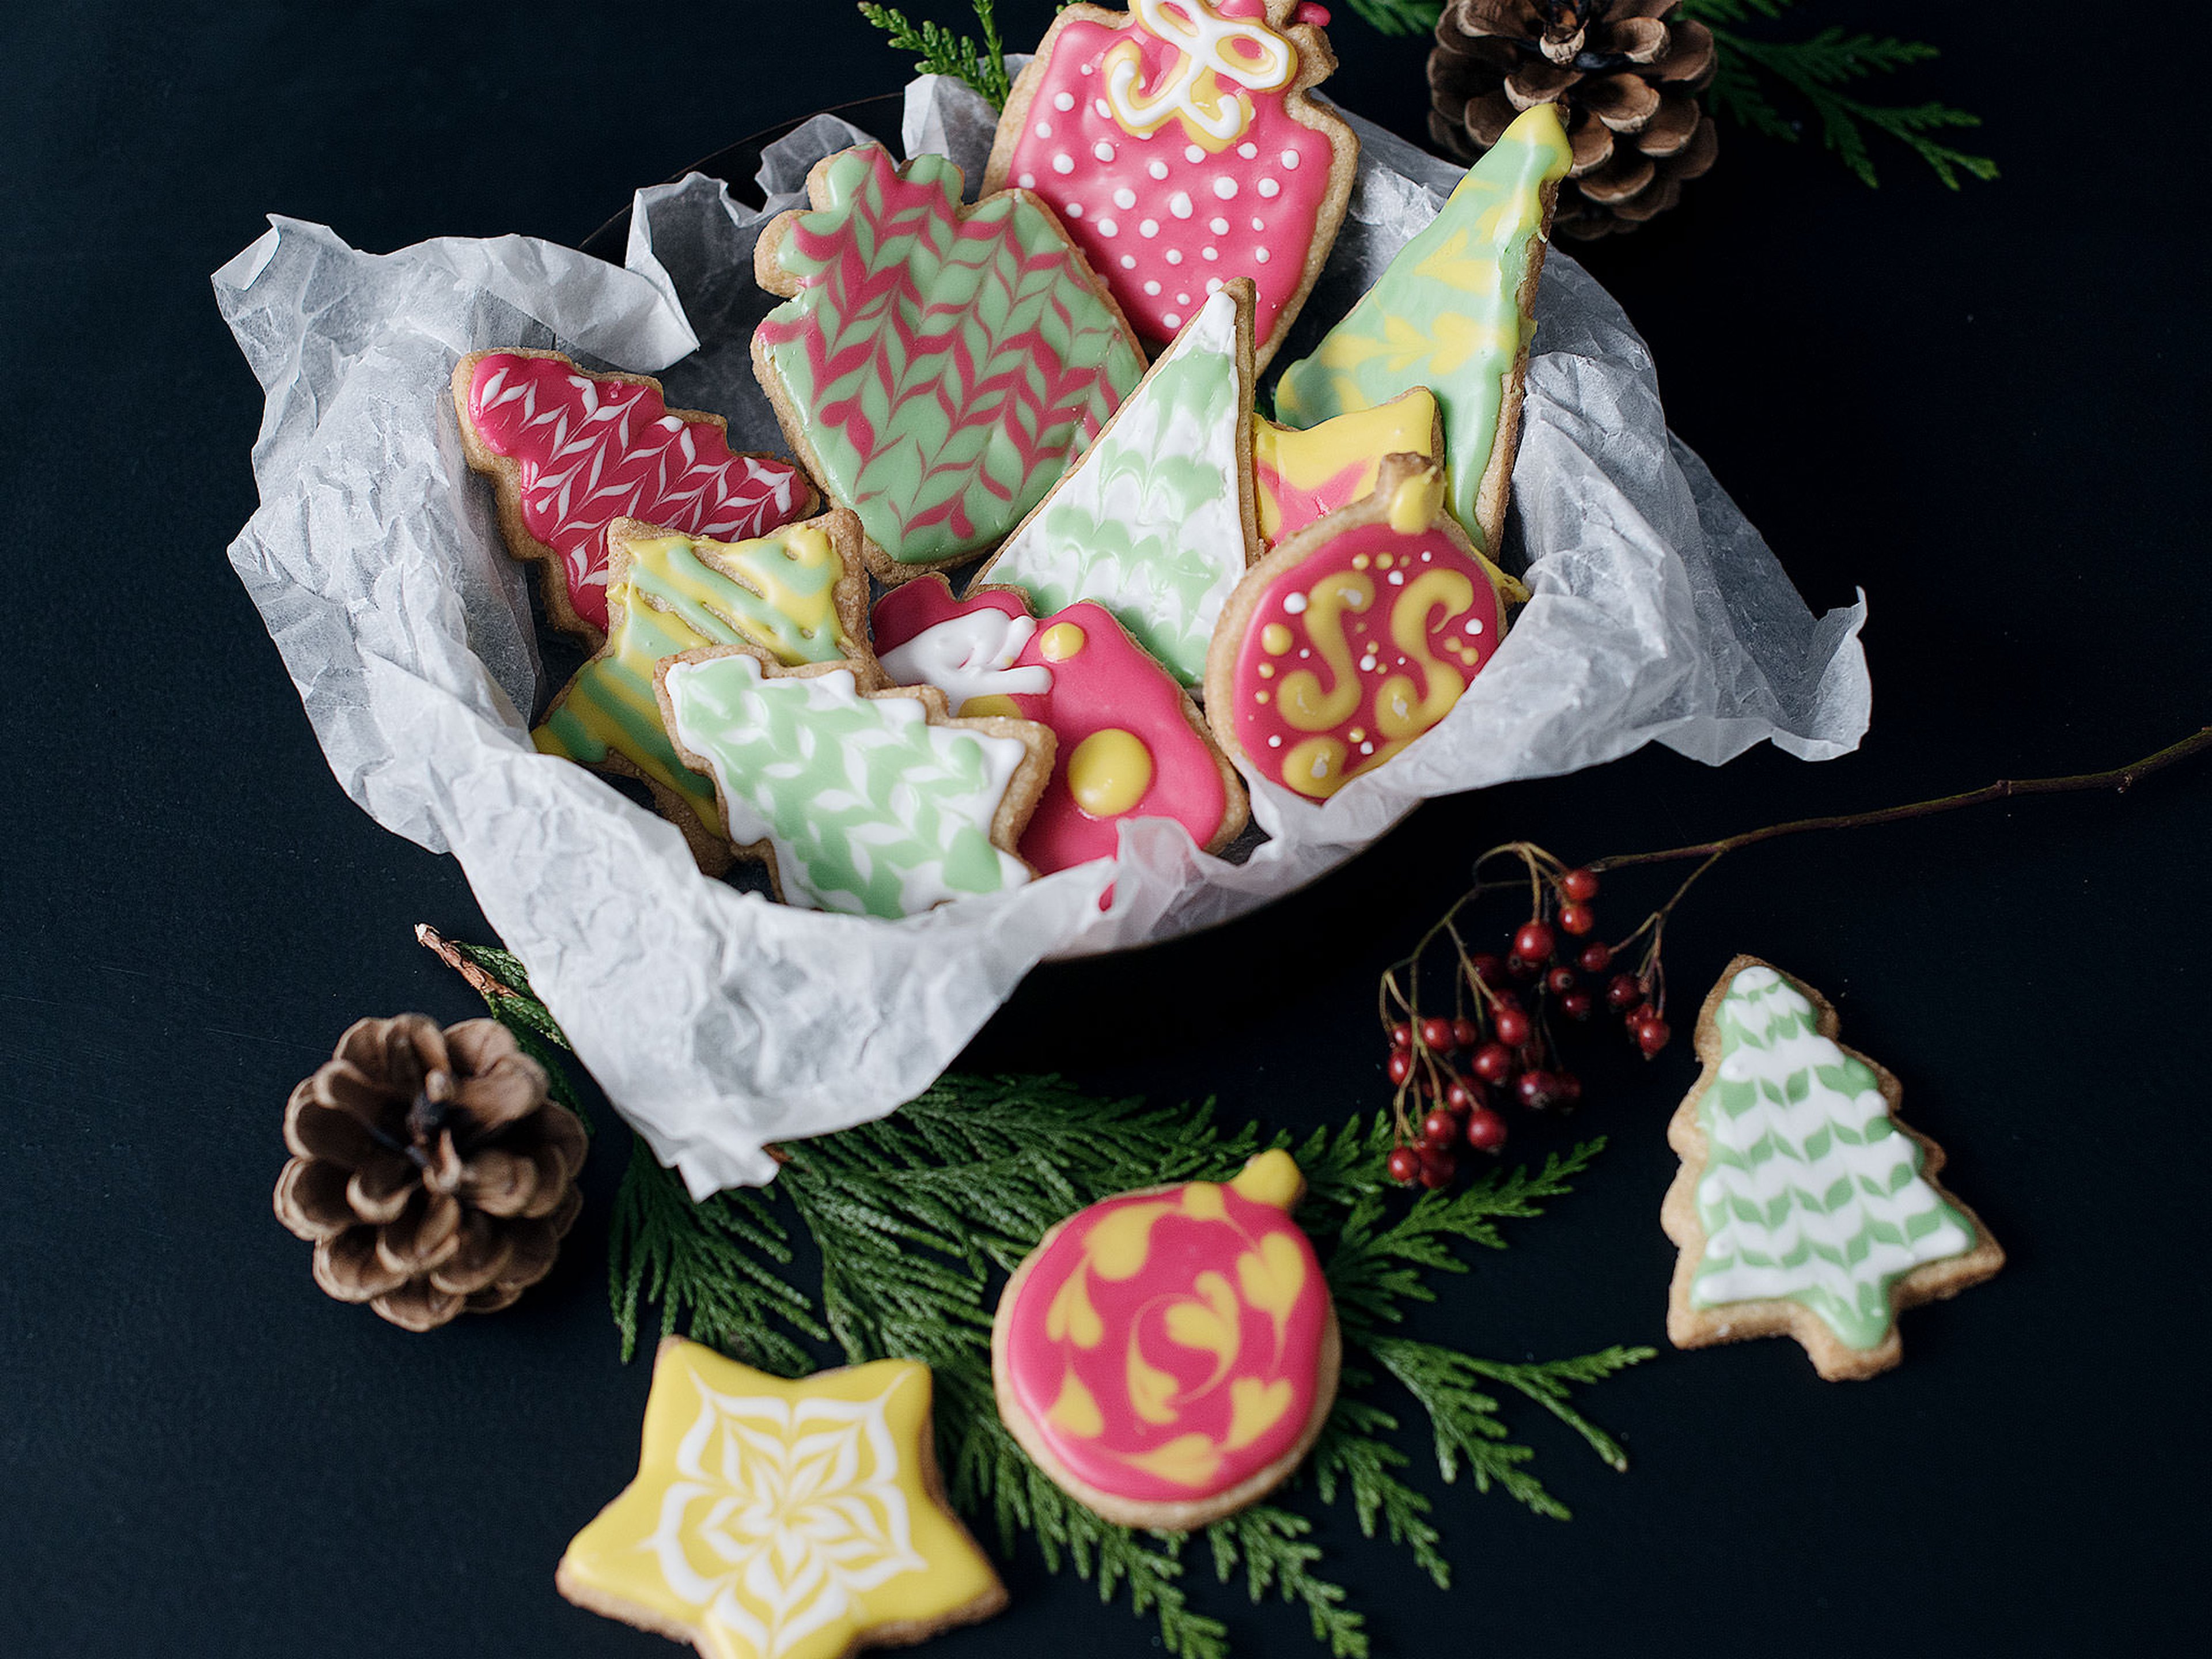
<point x="1188" y="1460"/>
<point x="1254" y="1408"/>
<point x="1072" y="1318"/>
<point x="1275" y="639"/>
<point x="990" y="703"/>
<point x="779" y="1520"/>
<point x="1315" y="767"/>
<point x="1109" y="772"/>
<point x="1413" y="504"/>
<point x="1151" y="1390"/>
<point x="1305" y="705"/>
<point x="1118" y="1246"/>
<point x="1306" y="460"/>
<point x="1060" y="642"/>
<point x="1273" y="1278"/>
<point x="1210" y="1322"/>
<point x="1271" y="1177"/>
<point x="1202" y="1201"/>
<point x="1077" y="1410"/>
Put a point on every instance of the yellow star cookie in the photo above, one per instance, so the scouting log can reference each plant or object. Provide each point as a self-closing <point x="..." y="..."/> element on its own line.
<point x="775" y="1520"/>
<point x="1304" y="476"/>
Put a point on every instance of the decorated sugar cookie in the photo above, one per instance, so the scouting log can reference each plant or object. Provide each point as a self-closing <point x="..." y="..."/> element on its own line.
<point x="1355" y="635"/>
<point x="1178" y="142"/>
<point x="1168" y="1357"/>
<point x="936" y="366"/>
<point x="1155" y="521"/>
<point x="1130" y="741"/>
<point x="776" y="1519"/>
<point x="799" y="592"/>
<point x="1299" y="476"/>
<point x="875" y="803"/>
<point x="1454" y="313"/>
<point x="1804" y="1207"/>
<point x="571" y="452"/>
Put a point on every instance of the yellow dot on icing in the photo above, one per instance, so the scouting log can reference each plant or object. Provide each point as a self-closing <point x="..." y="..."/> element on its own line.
<point x="1259" y="696"/>
<point x="1267" y="670"/>
<point x="990" y="703"/>
<point x="1061" y="641"/>
<point x="1359" y="561"/>
<point x="1275" y="639"/>
<point x="1109" y="771"/>
<point x="1382" y="561"/>
<point x="1271" y="1177"/>
<point x="1357" y="734"/>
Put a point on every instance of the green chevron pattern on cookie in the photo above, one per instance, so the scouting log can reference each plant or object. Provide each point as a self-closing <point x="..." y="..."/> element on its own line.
<point x="940" y="364"/>
<point x="870" y="808"/>
<point x="1446" y="313"/>
<point x="1811" y="1193"/>
<point x="1149" y="523"/>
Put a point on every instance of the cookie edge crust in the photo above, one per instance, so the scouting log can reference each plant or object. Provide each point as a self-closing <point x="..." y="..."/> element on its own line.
<point x="1689" y="1326"/>
<point x="1158" y="1515"/>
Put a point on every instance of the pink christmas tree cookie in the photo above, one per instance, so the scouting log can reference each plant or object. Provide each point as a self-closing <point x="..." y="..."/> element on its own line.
<point x="1132" y="745"/>
<point x="1178" y="143"/>
<point x="571" y="452"/>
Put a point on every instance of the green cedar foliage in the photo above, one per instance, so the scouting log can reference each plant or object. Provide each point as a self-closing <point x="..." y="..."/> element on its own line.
<point x="918" y="1218"/>
<point x="1818" y="70"/>
<point x="982" y="65"/>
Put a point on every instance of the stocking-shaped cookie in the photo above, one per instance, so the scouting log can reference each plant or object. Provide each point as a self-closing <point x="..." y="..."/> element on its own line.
<point x="1131" y="744"/>
<point x="936" y="366"/>
<point x="1178" y="143"/>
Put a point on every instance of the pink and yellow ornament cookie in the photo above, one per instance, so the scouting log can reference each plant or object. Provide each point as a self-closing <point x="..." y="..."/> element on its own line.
<point x="1131" y="744"/>
<point x="782" y="1519"/>
<point x="1178" y="143"/>
<point x="571" y="452"/>
<point x="1167" y="1356"/>
<point x="1355" y="635"/>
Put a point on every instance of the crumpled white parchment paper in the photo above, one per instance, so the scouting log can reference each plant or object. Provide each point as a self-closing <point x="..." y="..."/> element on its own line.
<point x="719" y="1021"/>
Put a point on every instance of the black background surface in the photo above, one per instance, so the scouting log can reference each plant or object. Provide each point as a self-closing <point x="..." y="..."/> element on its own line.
<point x="1985" y="409"/>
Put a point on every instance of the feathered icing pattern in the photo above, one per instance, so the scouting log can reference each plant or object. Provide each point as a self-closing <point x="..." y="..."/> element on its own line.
<point x="951" y="365"/>
<point x="590" y="450"/>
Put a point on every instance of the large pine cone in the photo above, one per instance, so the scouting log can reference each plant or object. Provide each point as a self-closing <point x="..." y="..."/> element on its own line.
<point x="1625" y="75"/>
<point x="429" y="1170"/>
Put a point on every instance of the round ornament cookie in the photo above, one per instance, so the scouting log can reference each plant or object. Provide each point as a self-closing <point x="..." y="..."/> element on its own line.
<point x="1168" y="1356"/>
<point x="1356" y="636"/>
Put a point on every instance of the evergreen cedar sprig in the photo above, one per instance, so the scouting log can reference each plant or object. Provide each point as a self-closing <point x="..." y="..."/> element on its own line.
<point x="1397" y="17"/>
<point x="1816" y="69"/>
<point x="499" y="977"/>
<point x="916" y="1218"/>
<point x="982" y="66"/>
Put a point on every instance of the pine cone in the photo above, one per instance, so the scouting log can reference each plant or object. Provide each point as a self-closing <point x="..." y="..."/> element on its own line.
<point x="429" y="1170"/>
<point x="1625" y="79"/>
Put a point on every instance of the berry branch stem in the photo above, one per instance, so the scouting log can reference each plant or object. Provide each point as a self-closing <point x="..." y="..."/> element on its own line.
<point x="2118" y="778"/>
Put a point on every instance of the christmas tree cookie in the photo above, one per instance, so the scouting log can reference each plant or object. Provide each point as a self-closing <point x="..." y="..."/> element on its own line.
<point x="1803" y="1206"/>
<point x="799" y="594"/>
<point x="1357" y="635"/>
<point x="935" y="366"/>
<point x="776" y="1519"/>
<point x="1167" y="1356"/>
<point x="1178" y="142"/>
<point x="571" y="452"/>
<point x="1299" y="476"/>
<point x="1453" y="313"/>
<point x="873" y="803"/>
<point x="1155" y="521"/>
<point x="1130" y="744"/>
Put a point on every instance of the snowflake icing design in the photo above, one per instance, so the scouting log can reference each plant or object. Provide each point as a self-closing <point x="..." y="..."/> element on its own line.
<point x="782" y="1511"/>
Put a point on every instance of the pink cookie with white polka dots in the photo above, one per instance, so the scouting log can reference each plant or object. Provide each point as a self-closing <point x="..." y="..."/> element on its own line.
<point x="1177" y="142"/>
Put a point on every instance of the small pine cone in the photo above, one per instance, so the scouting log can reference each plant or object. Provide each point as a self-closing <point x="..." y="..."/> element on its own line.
<point x="1625" y="74"/>
<point x="429" y="1170"/>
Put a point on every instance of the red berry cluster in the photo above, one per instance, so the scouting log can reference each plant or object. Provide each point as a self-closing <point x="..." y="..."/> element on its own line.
<point x="1499" y="1048"/>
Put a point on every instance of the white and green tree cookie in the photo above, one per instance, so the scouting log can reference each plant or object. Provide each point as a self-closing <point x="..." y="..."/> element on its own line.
<point x="1803" y="1207"/>
<point x="1156" y="522"/>
<point x="873" y="803"/>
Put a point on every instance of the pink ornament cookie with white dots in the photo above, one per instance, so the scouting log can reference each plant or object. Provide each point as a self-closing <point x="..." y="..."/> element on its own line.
<point x="1177" y="142"/>
<point x="1356" y="636"/>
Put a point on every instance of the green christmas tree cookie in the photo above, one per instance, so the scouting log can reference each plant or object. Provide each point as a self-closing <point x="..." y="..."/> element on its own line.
<point x="1803" y="1207"/>
<point x="1155" y="521"/>
<point x="1453" y="313"/>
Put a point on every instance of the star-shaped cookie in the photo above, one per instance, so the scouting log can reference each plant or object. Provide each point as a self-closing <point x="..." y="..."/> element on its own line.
<point x="776" y="1519"/>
